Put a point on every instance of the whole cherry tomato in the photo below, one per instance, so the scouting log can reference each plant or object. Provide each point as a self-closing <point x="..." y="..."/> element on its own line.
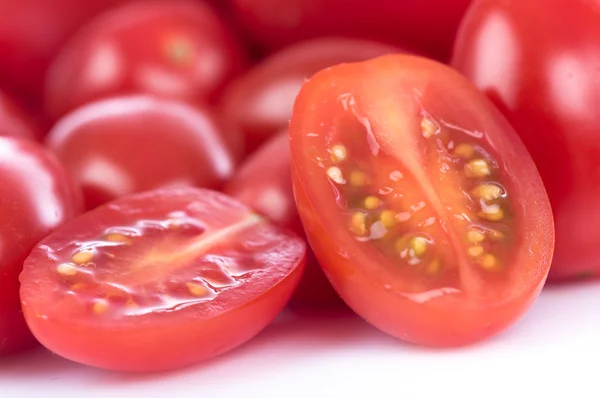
<point x="264" y="183"/>
<point x="427" y="26"/>
<point x="419" y="200"/>
<point x="159" y="280"/>
<point x="36" y="197"/>
<point x="173" y="48"/>
<point x="542" y="69"/>
<point x="260" y="102"/>
<point x="123" y="145"/>
<point x="32" y="31"/>
<point x="14" y="120"/>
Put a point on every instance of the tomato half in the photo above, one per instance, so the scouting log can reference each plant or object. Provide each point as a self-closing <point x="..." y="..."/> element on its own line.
<point x="32" y="31"/>
<point x="36" y="197"/>
<point x="425" y="25"/>
<point x="264" y="183"/>
<point x="260" y="102"/>
<point x="176" y="48"/>
<point x="542" y="69"/>
<point x="159" y="280"/>
<point x="123" y="145"/>
<point x="14" y="120"/>
<point x="419" y="200"/>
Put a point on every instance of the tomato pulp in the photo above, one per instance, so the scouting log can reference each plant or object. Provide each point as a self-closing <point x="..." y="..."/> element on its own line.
<point x="419" y="200"/>
<point x="159" y="280"/>
<point x="36" y="198"/>
<point x="542" y="69"/>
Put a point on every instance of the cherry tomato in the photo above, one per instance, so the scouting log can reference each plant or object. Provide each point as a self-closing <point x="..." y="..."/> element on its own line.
<point x="260" y="102"/>
<point x="123" y="145"/>
<point x="32" y="31"/>
<point x="36" y="197"/>
<point x="14" y="120"/>
<point x="264" y="183"/>
<point x="419" y="200"/>
<point x="428" y="26"/>
<point x="542" y="69"/>
<point x="159" y="280"/>
<point x="174" y="48"/>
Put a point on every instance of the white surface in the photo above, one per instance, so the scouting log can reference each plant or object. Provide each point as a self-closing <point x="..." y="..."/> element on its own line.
<point x="556" y="348"/>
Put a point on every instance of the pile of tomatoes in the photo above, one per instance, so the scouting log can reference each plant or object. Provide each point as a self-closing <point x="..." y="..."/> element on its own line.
<point x="175" y="173"/>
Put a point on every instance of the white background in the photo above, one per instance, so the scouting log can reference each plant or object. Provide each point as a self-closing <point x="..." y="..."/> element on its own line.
<point x="555" y="348"/>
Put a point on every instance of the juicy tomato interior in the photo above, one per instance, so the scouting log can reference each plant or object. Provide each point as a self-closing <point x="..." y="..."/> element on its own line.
<point x="419" y="200"/>
<point x="194" y="272"/>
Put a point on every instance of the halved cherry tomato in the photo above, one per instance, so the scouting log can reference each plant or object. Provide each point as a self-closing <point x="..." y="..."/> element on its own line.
<point x="14" y="120"/>
<point x="159" y="280"/>
<point x="260" y="102"/>
<point x="542" y="69"/>
<point x="36" y="197"/>
<point x="419" y="200"/>
<point x="119" y="146"/>
<point x="264" y="183"/>
<point x="32" y="31"/>
<point x="427" y="26"/>
<point x="173" y="48"/>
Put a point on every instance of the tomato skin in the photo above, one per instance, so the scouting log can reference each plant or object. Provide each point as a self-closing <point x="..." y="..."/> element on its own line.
<point x="149" y="339"/>
<point x="177" y="49"/>
<point x="32" y="31"/>
<point x="264" y="183"/>
<point x="384" y="92"/>
<point x="37" y="197"/>
<point x="427" y="26"/>
<point x="15" y="122"/>
<point x="142" y="143"/>
<point x="545" y="83"/>
<point x="260" y="102"/>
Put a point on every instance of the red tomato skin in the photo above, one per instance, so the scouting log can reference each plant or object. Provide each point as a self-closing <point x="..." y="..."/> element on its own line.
<point x="264" y="183"/>
<point x="260" y="102"/>
<point x="426" y="26"/>
<point x="142" y="143"/>
<point x="32" y="31"/>
<point x="15" y="121"/>
<point x="445" y="321"/>
<point x="177" y="49"/>
<point x="37" y="197"/>
<point x="155" y="342"/>
<point x="544" y="74"/>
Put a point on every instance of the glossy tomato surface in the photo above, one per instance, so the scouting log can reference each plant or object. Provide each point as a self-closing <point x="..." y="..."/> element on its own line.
<point x="427" y="26"/>
<point x="15" y="121"/>
<point x="32" y="31"/>
<point x="36" y="197"/>
<point x="123" y="145"/>
<point x="264" y="183"/>
<point x="173" y="48"/>
<point x="260" y="102"/>
<point x="159" y="280"/>
<point x="419" y="200"/>
<point x="543" y="71"/>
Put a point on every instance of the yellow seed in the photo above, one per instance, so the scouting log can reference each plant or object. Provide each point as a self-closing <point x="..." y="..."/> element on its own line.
<point x="118" y="238"/>
<point x="418" y="245"/>
<point x="338" y="152"/>
<point x="358" y="178"/>
<point x="197" y="289"/>
<point x="434" y="266"/>
<point x="66" y="269"/>
<point x="83" y="257"/>
<point x="488" y="262"/>
<point x="475" y="236"/>
<point x="477" y="168"/>
<point x="336" y="175"/>
<point x="77" y="286"/>
<point x="131" y="303"/>
<point x="428" y="126"/>
<point x="465" y="151"/>
<point x="492" y="213"/>
<point x="100" y="307"/>
<point x="475" y="251"/>
<point x="388" y="218"/>
<point x="487" y="191"/>
<point x="359" y="223"/>
<point x="496" y="234"/>
<point x="372" y="202"/>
